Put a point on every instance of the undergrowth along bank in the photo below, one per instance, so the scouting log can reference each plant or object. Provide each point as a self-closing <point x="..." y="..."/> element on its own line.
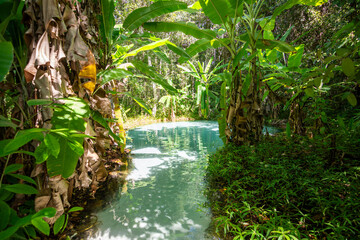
<point x="283" y="189"/>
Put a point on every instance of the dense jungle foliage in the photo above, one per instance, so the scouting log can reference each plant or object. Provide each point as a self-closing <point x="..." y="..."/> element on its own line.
<point x="74" y="72"/>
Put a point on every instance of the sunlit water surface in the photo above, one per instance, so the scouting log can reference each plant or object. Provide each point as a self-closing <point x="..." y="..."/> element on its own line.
<point x="164" y="198"/>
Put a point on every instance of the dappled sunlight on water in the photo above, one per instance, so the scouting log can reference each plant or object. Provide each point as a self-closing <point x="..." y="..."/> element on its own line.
<point x="163" y="196"/>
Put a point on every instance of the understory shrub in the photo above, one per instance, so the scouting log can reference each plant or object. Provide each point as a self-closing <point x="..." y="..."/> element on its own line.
<point x="281" y="189"/>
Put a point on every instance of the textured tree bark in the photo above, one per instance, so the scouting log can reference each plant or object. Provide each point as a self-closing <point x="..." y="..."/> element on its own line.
<point x="61" y="39"/>
<point x="244" y="115"/>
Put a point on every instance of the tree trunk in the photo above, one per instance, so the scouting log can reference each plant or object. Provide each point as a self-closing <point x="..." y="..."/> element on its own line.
<point x="56" y="38"/>
<point x="244" y="115"/>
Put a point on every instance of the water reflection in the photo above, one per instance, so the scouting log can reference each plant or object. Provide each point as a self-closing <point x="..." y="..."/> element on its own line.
<point x="163" y="195"/>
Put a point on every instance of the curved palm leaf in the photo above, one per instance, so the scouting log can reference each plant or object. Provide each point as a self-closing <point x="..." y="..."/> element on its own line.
<point x="200" y="46"/>
<point x="187" y="28"/>
<point x="142" y="15"/>
<point x="216" y="10"/>
<point x="154" y="76"/>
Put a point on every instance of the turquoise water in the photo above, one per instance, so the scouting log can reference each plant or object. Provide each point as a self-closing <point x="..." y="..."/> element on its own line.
<point x="164" y="194"/>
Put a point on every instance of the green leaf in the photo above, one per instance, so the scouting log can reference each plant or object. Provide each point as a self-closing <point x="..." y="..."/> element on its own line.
<point x="348" y="67"/>
<point x="270" y="44"/>
<point x="52" y="143"/>
<point x="20" y="188"/>
<point x="75" y="209"/>
<point x="67" y="159"/>
<point x="34" y="102"/>
<point x="99" y="118"/>
<point x="41" y="225"/>
<point x="154" y="76"/>
<point x="22" y="177"/>
<point x="71" y="114"/>
<point x="22" y="138"/>
<point x="142" y="15"/>
<point x="13" y="168"/>
<point x="216" y="10"/>
<point x="8" y="232"/>
<point x="352" y="99"/>
<point x="45" y="212"/>
<point x="200" y="46"/>
<point x="310" y="92"/>
<point x="107" y="22"/>
<point x="76" y="147"/>
<point x="59" y="224"/>
<point x="162" y="56"/>
<point x="140" y="102"/>
<point x="114" y="74"/>
<point x="179" y="51"/>
<point x="147" y="47"/>
<point x="4" y="122"/>
<point x="294" y="60"/>
<point x="5" y="215"/>
<point x="187" y="28"/>
<point x="6" y="59"/>
<point x="41" y="153"/>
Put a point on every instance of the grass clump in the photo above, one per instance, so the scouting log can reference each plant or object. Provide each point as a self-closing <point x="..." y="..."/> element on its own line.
<point x="283" y="189"/>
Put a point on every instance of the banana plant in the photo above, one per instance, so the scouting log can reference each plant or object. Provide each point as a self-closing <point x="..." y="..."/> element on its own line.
<point x="204" y="78"/>
<point x="243" y="120"/>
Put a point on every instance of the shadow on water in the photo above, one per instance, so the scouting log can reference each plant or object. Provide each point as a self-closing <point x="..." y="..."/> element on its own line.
<point x="163" y="196"/>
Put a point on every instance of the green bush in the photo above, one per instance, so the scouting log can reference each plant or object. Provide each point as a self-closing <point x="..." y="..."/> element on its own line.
<point x="284" y="190"/>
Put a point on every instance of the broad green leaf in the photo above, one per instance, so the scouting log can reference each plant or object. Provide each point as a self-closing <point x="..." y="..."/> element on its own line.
<point x="142" y="15"/>
<point x="352" y="99"/>
<point x="107" y="21"/>
<point x="13" y="168"/>
<point x="294" y="60"/>
<point x="6" y="59"/>
<point x="4" y="122"/>
<point x="236" y="7"/>
<point x="147" y="47"/>
<point x="348" y="67"/>
<point x="179" y="51"/>
<point x="154" y="76"/>
<point x="161" y="55"/>
<point x="71" y="114"/>
<point x="200" y="46"/>
<point x="45" y="212"/>
<point x="20" y="188"/>
<point x="343" y="52"/>
<point x="22" y="138"/>
<point x="23" y="177"/>
<point x="5" y="195"/>
<point x="59" y="224"/>
<point x="140" y="102"/>
<point x="114" y="74"/>
<point x="187" y="28"/>
<point x="52" y="144"/>
<point x="75" y="209"/>
<point x="310" y="92"/>
<point x="76" y="147"/>
<point x="5" y="215"/>
<point x="103" y="122"/>
<point x="270" y="44"/>
<point x="41" y="225"/>
<point x="8" y="232"/>
<point x="216" y="10"/>
<point x="41" y="153"/>
<point x="67" y="159"/>
<point x="34" y="102"/>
